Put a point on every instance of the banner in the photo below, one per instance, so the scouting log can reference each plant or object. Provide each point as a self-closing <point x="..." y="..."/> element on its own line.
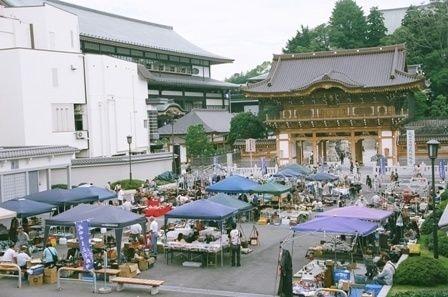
<point x="410" y="145"/>
<point x="383" y="165"/>
<point x="264" y="168"/>
<point x="83" y="234"/>
<point x="442" y="164"/>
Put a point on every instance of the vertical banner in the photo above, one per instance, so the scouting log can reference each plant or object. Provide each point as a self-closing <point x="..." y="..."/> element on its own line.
<point x="264" y="168"/>
<point x="383" y="165"/>
<point x="83" y="234"/>
<point x="410" y="145"/>
<point x="442" y="164"/>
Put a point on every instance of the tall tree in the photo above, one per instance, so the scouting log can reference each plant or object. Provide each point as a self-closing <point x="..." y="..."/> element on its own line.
<point x="197" y="142"/>
<point x="439" y="107"/>
<point x="348" y="26"/>
<point x="308" y="40"/>
<point x="246" y="125"/>
<point x="375" y="27"/>
<point x="241" y="78"/>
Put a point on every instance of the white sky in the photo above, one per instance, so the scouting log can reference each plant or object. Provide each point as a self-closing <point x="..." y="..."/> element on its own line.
<point x="249" y="31"/>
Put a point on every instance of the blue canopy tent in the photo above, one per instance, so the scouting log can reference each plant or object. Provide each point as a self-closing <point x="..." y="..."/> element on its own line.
<point x="61" y="197"/>
<point x="322" y="176"/>
<point x="233" y="184"/>
<point x="288" y="173"/>
<point x="93" y="191"/>
<point x="232" y="202"/>
<point x="296" y="168"/>
<point x="203" y="210"/>
<point x="27" y="208"/>
<point x="272" y="188"/>
<point x="340" y="225"/>
<point x="99" y="216"/>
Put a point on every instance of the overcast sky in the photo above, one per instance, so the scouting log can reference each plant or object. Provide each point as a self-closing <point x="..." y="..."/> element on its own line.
<point x="248" y="31"/>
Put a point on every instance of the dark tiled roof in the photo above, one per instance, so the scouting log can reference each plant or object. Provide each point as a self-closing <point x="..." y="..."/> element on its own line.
<point x="426" y="130"/>
<point x="157" y="78"/>
<point x="119" y="159"/>
<point x="356" y="69"/>
<point x="22" y="152"/>
<point x="116" y="28"/>
<point x="242" y="142"/>
<point x="164" y="104"/>
<point x="213" y="121"/>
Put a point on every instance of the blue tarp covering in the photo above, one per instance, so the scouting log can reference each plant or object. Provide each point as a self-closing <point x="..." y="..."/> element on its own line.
<point x="338" y="225"/>
<point x="322" y="176"/>
<point x="288" y="173"/>
<point x="232" y="202"/>
<point x="61" y="197"/>
<point x="92" y="191"/>
<point x="27" y="208"/>
<point x="202" y="210"/>
<point x="233" y="184"/>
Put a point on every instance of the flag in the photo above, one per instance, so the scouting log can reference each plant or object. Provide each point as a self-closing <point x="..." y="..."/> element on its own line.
<point x="83" y="234"/>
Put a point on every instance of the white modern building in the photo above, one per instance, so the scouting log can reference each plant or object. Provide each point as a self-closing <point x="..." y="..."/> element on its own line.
<point x="51" y="94"/>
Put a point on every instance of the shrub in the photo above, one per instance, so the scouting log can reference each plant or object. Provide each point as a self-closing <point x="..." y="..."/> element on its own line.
<point x="444" y="195"/>
<point x="428" y="224"/>
<point x="443" y="243"/>
<point x="421" y="271"/>
<point x="59" y="186"/>
<point x="423" y="293"/>
<point x="126" y="184"/>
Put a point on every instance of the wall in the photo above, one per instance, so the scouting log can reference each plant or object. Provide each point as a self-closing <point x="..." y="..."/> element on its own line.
<point x="14" y="33"/>
<point x="54" y="28"/>
<point x="99" y="174"/>
<point x="116" y="106"/>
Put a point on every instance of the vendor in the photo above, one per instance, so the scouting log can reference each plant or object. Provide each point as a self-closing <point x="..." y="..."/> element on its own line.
<point x="136" y="230"/>
<point x="22" y="237"/>
<point x="50" y="255"/>
<point x="22" y="258"/>
<point x="386" y="276"/>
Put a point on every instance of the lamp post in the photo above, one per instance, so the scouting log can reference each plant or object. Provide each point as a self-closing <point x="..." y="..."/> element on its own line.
<point x="129" y="139"/>
<point x="433" y="147"/>
<point x="173" y="163"/>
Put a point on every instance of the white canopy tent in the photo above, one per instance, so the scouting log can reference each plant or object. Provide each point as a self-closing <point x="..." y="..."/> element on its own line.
<point x="6" y="214"/>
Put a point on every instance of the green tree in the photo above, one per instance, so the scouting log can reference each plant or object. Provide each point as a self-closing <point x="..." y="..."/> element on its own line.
<point x="439" y="107"/>
<point x="242" y="78"/>
<point x="375" y="27"/>
<point x="197" y="142"/>
<point x="348" y="26"/>
<point x="309" y="40"/>
<point x="246" y="125"/>
<point x="421" y="107"/>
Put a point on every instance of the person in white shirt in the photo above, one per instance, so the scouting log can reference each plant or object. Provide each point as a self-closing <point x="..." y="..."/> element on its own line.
<point x="23" y="257"/>
<point x="235" y="242"/>
<point x="136" y="230"/>
<point x="120" y="195"/>
<point x="386" y="276"/>
<point x="10" y="254"/>
<point x="127" y="205"/>
<point x="154" y="232"/>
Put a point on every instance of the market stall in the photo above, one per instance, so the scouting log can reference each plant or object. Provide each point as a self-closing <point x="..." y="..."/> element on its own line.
<point x="296" y="168"/>
<point x="204" y="211"/>
<point x="92" y="191"/>
<point x="61" y="197"/>
<point x="6" y="214"/>
<point x="322" y="176"/>
<point x="226" y="200"/>
<point x="358" y="212"/>
<point x="233" y="184"/>
<point x="288" y="173"/>
<point x="99" y="216"/>
<point x="27" y="208"/>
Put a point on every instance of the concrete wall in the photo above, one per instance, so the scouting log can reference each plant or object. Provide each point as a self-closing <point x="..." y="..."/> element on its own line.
<point x="116" y="106"/>
<point x="99" y="175"/>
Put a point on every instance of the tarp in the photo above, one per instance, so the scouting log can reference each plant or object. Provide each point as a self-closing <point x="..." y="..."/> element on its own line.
<point x="202" y="210"/>
<point x="349" y="226"/>
<point x="233" y="184"/>
<point x="272" y="188"/>
<point x="93" y="191"/>
<point x="27" y="208"/>
<point x="61" y="197"/>
<point x="357" y="212"/>
<point x="104" y="216"/>
<point x="6" y="214"/>
<point x="288" y="173"/>
<point x="232" y="202"/>
<point x="322" y="176"/>
<point x="296" y="168"/>
<point x="443" y="222"/>
<point x="166" y="176"/>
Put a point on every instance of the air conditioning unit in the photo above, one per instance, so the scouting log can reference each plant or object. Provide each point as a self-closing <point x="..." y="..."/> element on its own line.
<point x="81" y="134"/>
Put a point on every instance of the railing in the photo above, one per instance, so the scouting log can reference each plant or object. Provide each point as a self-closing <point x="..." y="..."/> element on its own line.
<point x="425" y="170"/>
<point x="252" y="171"/>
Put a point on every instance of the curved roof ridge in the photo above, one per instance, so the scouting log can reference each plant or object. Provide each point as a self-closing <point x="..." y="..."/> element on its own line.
<point x="326" y="77"/>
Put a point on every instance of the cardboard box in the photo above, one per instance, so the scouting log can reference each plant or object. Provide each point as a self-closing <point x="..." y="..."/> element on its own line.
<point x="129" y="270"/>
<point x="36" y="280"/>
<point x="50" y="275"/>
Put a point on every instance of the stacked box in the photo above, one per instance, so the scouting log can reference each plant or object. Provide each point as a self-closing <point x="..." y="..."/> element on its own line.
<point x="35" y="280"/>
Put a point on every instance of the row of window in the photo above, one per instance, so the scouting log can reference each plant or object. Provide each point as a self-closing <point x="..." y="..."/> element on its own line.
<point x="159" y="65"/>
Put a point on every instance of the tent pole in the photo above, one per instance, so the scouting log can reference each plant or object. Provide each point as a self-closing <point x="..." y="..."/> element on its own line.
<point x="118" y="238"/>
<point x="220" y="241"/>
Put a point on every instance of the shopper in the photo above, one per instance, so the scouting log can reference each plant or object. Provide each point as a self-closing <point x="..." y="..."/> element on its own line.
<point x="22" y="258"/>
<point x="386" y="276"/>
<point x="10" y="254"/>
<point x="22" y="237"/>
<point x="154" y="233"/>
<point x="50" y="255"/>
<point x="136" y="230"/>
<point x="235" y="241"/>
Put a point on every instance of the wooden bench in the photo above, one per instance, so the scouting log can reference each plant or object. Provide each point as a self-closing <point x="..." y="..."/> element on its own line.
<point x="12" y="267"/>
<point x="153" y="284"/>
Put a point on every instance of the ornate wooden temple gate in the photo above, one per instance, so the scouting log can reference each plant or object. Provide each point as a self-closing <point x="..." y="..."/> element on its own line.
<point x="354" y="95"/>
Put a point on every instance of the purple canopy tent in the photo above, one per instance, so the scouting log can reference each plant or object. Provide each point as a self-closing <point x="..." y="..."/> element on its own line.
<point x="357" y="212"/>
<point x="348" y="226"/>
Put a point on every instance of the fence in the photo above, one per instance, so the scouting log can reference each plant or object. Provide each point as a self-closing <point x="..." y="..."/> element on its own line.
<point x="424" y="170"/>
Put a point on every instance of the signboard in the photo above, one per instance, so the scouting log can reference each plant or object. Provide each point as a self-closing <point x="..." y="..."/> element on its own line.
<point x="250" y="145"/>
<point x="442" y="165"/>
<point x="410" y="145"/>
<point x="83" y="234"/>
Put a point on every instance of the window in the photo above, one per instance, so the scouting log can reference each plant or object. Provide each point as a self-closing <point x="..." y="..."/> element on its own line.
<point x="123" y="51"/>
<point x="52" y="40"/>
<point x="63" y="117"/>
<point x="195" y="62"/>
<point x="151" y="55"/>
<point x="162" y="57"/>
<point x="15" y="164"/>
<point x="107" y="48"/>
<point x="78" y="122"/>
<point x="72" y="39"/>
<point x="184" y="60"/>
<point x="54" y="77"/>
<point x="174" y="58"/>
<point x="136" y="53"/>
<point x="172" y="69"/>
<point x="145" y="124"/>
<point x="161" y="67"/>
<point x="90" y="46"/>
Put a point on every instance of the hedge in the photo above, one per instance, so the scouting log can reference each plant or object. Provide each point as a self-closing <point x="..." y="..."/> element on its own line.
<point x="423" y="293"/>
<point x="421" y="271"/>
<point x="59" y="186"/>
<point x="126" y="184"/>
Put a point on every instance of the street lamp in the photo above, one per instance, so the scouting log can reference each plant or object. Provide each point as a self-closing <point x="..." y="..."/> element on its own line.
<point x="433" y="147"/>
<point x="129" y="139"/>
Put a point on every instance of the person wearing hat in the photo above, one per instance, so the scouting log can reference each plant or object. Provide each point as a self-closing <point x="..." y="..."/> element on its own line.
<point x="22" y="257"/>
<point x="22" y="237"/>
